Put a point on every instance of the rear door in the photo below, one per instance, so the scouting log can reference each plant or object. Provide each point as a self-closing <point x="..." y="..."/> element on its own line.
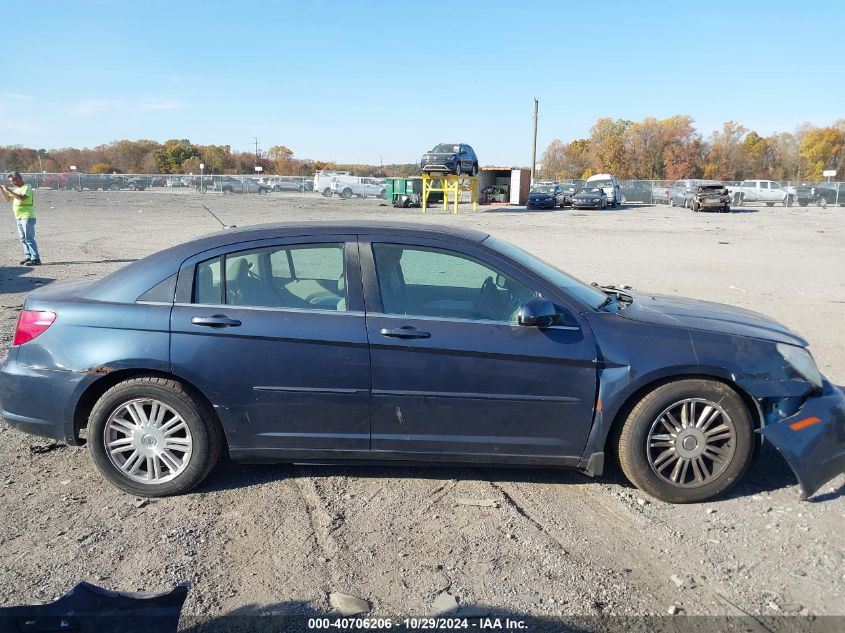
<point x="273" y="332"/>
<point x="452" y="372"/>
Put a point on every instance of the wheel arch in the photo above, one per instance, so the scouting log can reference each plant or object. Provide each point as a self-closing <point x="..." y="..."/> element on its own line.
<point x="93" y="392"/>
<point x="620" y="412"/>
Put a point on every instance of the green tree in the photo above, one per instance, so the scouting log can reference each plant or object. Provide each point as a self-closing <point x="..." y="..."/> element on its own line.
<point x="607" y="146"/>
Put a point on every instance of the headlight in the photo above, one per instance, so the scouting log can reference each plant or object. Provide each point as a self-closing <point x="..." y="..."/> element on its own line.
<point x="800" y="359"/>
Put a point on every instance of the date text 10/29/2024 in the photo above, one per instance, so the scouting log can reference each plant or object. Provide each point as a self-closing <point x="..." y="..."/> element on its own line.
<point x="422" y="624"/>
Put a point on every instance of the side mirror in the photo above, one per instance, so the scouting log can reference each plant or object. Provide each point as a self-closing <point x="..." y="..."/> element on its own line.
<point x="538" y="313"/>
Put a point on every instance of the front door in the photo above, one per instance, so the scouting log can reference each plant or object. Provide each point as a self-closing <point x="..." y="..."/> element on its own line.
<point x="453" y="373"/>
<point x="274" y="334"/>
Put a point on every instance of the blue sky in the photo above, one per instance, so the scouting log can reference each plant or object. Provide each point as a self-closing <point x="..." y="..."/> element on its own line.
<point x="386" y="80"/>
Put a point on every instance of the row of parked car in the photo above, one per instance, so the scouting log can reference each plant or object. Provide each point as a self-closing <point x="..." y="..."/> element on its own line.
<point x="769" y="192"/>
<point x="597" y="192"/>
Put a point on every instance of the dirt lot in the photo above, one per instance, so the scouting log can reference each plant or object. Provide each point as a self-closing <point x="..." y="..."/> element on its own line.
<point x="280" y="539"/>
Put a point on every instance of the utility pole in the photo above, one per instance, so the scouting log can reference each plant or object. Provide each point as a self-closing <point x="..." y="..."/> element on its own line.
<point x="256" y="151"/>
<point x="534" y="145"/>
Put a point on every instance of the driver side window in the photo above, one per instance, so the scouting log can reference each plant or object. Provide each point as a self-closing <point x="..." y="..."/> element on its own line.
<point x="430" y="282"/>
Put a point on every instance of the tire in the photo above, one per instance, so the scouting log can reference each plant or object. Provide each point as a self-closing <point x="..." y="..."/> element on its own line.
<point x="202" y="435"/>
<point x="277" y="188"/>
<point x="671" y="201"/>
<point x="770" y="204"/>
<point x="787" y="202"/>
<point x="327" y="193"/>
<point x="383" y="194"/>
<point x="132" y="187"/>
<point x="458" y="168"/>
<point x="726" y="209"/>
<point x="346" y="193"/>
<point x="642" y="463"/>
<point x="823" y="203"/>
<point x="228" y="190"/>
<point x="738" y="199"/>
<point x="474" y="172"/>
<point x="406" y="202"/>
<point x="695" y="206"/>
<point x="803" y="203"/>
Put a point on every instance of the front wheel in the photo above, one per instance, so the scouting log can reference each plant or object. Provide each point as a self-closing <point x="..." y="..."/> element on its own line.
<point x="458" y="168"/>
<point x="474" y="172"/>
<point x="687" y="441"/>
<point x="346" y="193"/>
<point x="151" y="437"/>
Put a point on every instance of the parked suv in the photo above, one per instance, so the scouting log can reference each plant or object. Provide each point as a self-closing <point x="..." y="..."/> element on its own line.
<point x="609" y="185"/>
<point x="450" y="158"/>
<point x="709" y="195"/>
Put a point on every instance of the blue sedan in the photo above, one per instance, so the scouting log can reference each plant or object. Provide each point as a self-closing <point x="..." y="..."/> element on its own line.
<point x="400" y="343"/>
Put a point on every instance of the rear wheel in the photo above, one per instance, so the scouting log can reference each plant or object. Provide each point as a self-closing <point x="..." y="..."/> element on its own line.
<point x="327" y="193"/>
<point x="687" y="441"/>
<point x="671" y="202"/>
<point x="346" y="193"/>
<point x="474" y="170"/>
<point x="151" y="437"/>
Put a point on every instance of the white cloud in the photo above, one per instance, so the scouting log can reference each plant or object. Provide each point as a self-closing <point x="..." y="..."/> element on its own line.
<point x="15" y="96"/>
<point x="95" y="106"/>
<point x="161" y="104"/>
<point x="145" y="104"/>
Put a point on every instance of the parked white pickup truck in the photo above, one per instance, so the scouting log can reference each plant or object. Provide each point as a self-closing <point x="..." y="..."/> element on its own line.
<point x="347" y="186"/>
<point x="767" y="191"/>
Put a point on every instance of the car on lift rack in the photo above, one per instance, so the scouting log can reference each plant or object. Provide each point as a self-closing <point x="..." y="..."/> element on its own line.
<point x="450" y="158"/>
<point x="407" y="344"/>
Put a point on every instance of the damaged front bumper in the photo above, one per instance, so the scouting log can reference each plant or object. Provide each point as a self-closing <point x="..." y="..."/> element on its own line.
<point x="92" y="609"/>
<point x="812" y="441"/>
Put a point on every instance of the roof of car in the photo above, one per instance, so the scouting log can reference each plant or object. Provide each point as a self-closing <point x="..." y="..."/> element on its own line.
<point x="365" y="227"/>
<point x="129" y="282"/>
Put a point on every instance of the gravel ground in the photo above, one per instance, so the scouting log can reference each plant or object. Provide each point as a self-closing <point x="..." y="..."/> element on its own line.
<point x="535" y="544"/>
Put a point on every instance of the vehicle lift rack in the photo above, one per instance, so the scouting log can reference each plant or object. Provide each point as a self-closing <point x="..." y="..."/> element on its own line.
<point x="449" y="183"/>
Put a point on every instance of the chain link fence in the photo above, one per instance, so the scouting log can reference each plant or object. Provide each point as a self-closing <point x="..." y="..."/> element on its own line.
<point x="673" y="193"/>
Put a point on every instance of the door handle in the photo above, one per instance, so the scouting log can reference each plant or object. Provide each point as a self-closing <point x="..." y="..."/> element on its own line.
<point x="404" y="332"/>
<point x="215" y="321"/>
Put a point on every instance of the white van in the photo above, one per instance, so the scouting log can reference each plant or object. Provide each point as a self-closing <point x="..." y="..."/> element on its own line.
<point x="610" y="185"/>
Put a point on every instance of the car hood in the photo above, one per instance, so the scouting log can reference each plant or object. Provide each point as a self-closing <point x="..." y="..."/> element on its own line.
<point x="439" y="155"/>
<point x="706" y="315"/>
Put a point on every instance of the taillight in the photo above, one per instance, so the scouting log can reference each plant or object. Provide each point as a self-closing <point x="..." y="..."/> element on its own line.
<point x="32" y="323"/>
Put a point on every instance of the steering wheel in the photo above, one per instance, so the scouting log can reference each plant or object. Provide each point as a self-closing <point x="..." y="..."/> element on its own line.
<point x="487" y="300"/>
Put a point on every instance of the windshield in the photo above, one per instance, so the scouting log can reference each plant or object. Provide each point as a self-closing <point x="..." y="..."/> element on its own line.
<point x="601" y="183"/>
<point x="595" y="190"/>
<point x="445" y="148"/>
<point x="543" y="189"/>
<point x="587" y="295"/>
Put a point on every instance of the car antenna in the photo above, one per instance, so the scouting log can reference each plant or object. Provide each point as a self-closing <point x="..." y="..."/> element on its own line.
<point x="225" y="226"/>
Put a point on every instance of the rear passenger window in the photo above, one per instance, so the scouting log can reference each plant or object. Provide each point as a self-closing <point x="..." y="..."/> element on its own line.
<point x="306" y="277"/>
<point x="207" y="282"/>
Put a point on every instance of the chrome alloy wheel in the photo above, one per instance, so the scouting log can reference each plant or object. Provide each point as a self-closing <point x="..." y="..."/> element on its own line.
<point x="691" y="442"/>
<point x="148" y="441"/>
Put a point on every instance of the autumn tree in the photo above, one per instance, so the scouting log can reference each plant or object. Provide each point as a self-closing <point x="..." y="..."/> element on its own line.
<point x="553" y="161"/>
<point x="282" y="160"/>
<point x="820" y="149"/>
<point x="607" y="146"/>
<point x="644" y="141"/>
<point x="726" y="158"/>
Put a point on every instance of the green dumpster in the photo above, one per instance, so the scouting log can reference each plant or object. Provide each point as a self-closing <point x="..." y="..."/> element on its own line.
<point x="407" y="192"/>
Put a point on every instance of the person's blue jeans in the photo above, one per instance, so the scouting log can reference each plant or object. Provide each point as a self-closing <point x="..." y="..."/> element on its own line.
<point x="26" y="231"/>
